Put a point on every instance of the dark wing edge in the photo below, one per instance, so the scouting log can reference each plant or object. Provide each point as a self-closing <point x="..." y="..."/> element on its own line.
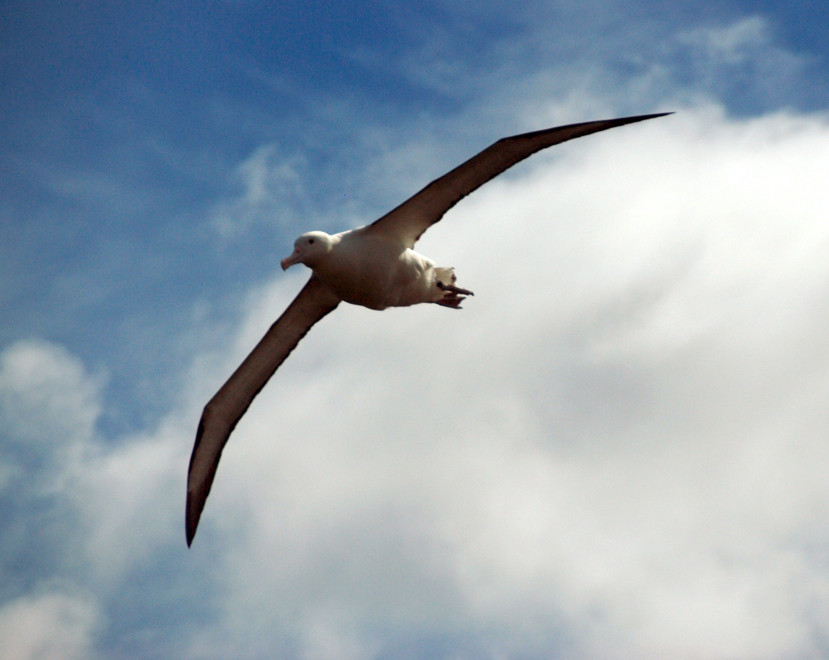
<point x="225" y="409"/>
<point x="409" y="220"/>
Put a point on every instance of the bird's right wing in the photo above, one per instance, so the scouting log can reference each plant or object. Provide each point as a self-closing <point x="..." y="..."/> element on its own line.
<point x="227" y="406"/>
<point x="407" y="222"/>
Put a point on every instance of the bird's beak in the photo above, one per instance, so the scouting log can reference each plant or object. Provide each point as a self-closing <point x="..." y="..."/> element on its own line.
<point x="287" y="262"/>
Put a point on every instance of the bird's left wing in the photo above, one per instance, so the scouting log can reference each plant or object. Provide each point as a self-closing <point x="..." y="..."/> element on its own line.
<point x="407" y="222"/>
<point x="227" y="406"/>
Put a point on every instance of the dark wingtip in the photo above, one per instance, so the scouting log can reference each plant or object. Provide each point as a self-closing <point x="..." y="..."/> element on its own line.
<point x="655" y="115"/>
<point x="191" y="522"/>
<point x="191" y="512"/>
<point x="638" y="118"/>
<point x="189" y="527"/>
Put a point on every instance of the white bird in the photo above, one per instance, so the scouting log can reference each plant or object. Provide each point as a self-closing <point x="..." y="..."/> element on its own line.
<point x="373" y="266"/>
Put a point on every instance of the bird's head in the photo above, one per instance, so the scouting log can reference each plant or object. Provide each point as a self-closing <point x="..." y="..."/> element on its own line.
<point x="309" y="249"/>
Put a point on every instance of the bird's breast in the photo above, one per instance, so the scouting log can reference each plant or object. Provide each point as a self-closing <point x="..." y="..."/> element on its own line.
<point x="377" y="274"/>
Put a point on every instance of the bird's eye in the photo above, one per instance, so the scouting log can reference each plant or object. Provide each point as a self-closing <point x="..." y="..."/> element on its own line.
<point x="310" y="241"/>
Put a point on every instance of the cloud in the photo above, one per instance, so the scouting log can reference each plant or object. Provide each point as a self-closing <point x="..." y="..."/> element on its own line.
<point x="741" y="57"/>
<point x="270" y="181"/>
<point x="80" y="516"/>
<point x="50" y="625"/>
<point x="616" y="447"/>
<point x="733" y="44"/>
<point x="45" y="394"/>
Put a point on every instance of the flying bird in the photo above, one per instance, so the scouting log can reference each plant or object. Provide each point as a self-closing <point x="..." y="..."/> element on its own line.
<point x="374" y="266"/>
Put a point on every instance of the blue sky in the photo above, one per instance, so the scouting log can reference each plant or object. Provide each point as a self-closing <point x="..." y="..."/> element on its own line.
<point x="617" y="445"/>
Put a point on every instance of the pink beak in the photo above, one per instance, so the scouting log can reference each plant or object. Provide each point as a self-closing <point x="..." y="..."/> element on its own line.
<point x="287" y="262"/>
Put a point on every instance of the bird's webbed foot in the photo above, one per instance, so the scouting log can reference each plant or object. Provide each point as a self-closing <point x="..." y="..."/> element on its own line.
<point x="451" y="288"/>
<point x="452" y="295"/>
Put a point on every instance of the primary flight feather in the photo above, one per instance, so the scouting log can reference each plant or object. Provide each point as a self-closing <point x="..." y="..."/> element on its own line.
<point x="374" y="266"/>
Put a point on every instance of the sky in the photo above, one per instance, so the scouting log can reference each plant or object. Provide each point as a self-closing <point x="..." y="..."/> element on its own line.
<point x="616" y="449"/>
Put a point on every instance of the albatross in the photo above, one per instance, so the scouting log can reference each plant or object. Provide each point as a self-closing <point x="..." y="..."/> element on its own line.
<point x="374" y="266"/>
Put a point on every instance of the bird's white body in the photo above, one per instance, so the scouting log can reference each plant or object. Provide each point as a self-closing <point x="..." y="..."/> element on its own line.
<point x="369" y="269"/>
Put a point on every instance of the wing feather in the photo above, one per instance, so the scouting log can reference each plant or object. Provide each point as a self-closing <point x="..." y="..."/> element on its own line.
<point x="407" y="222"/>
<point x="227" y="406"/>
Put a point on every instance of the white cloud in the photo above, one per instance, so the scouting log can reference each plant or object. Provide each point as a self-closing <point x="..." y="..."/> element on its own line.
<point x="270" y="183"/>
<point x="619" y="440"/>
<point x="128" y="499"/>
<point x="45" y="394"/>
<point x="52" y="625"/>
<point x="741" y="60"/>
<point x="735" y="44"/>
<point x="85" y="515"/>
